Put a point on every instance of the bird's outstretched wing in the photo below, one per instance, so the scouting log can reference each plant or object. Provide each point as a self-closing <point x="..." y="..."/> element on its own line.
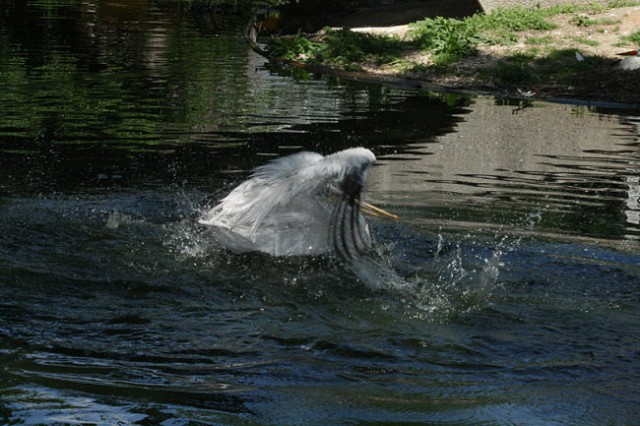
<point x="270" y="185"/>
<point x="279" y="181"/>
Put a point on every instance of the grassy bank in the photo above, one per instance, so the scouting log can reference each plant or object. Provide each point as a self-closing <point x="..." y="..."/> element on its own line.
<point x="528" y="51"/>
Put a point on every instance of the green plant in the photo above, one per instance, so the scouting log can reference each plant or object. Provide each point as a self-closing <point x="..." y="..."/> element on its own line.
<point x="585" y="41"/>
<point x="539" y="40"/>
<point x="517" y="19"/>
<point x="582" y="21"/>
<point x="632" y="38"/>
<point x="502" y="24"/>
<point x="345" y="46"/>
<point x="517" y="69"/>
<point x="585" y="21"/>
<point x="298" y="47"/>
<point x="562" y="64"/>
<point x="623" y="3"/>
<point x="607" y="21"/>
<point x="448" y="39"/>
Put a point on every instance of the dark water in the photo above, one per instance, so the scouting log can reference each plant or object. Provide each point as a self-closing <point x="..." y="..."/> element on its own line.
<point x="509" y="293"/>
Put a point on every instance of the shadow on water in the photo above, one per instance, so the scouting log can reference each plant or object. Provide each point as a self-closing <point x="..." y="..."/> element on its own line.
<point x="60" y="165"/>
<point x="506" y="294"/>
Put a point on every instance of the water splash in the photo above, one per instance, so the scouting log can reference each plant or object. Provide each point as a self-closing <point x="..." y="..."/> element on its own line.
<point x="377" y="270"/>
<point x="459" y="277"/>
<point x="187" y="242"/>
<point x="186" y="239"/>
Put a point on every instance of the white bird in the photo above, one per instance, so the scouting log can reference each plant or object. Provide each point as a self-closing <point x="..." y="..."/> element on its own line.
<point x="301" y="204"/>
<point x="631" y="60"/>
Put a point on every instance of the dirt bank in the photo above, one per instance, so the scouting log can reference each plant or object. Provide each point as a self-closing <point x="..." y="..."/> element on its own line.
<point x="594" y="35"/>
<point x="604" y="83"/>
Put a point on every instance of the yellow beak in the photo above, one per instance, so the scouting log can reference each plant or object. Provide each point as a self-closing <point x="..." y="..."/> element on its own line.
<point x="372" y="210"/>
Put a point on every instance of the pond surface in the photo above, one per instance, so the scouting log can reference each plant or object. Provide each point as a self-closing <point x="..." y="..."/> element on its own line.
<point x="509" y="291"/>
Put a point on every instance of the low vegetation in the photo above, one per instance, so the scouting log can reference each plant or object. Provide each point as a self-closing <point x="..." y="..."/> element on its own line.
<point x="447" y="39"/>
<point x="341" y="47"/>
<point x="447" y="42"/>
<point x="633" y="38"/>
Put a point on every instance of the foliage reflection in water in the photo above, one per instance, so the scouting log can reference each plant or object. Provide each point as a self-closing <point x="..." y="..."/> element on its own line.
<point x="507" y="294"/>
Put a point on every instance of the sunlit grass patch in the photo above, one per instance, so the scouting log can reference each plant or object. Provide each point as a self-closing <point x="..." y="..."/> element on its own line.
<point x="546" y="39"/>
<point x="452" y="39"/>
<point x="443" y="41"/>
<point x="585" y="21"/>
<point x="607" y="21"/>
<point x="623" y="3"/>
<point x="514" y="19"/>
<point x="447" y="39"/>
<point x="585" y="41"/>
<point x="632" y="38"/>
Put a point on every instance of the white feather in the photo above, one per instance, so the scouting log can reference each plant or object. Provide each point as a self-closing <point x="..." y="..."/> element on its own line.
<point x="283" y="209"/>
